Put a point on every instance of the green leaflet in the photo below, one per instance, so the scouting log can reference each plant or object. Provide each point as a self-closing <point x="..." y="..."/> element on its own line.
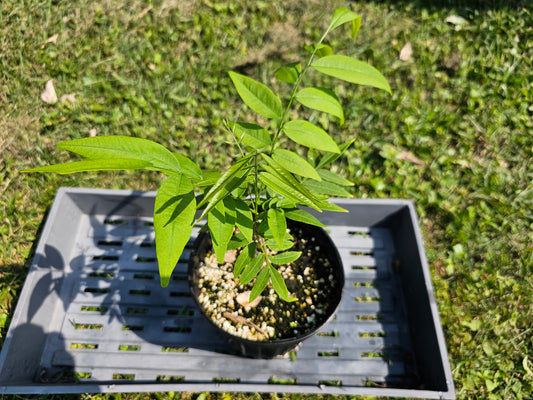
<point x="123" y="148"/>
<point x="297" y="214"/>
<point x="292" y="162"/>
<point x="343" y="15"/>
<point x="283" y="189"/>
<point x="221" y="221"/>
<point x="281" y="173"/>
<point x="189" y="167"/>
<point x="351" y="70"/>
<point x="321" y="99"/>
<point x="327" y="188"/>
<point x="252" y="135"/>
<point x="307" y="134"/>
<point x="230" y="180"/>
<point x="260" y="283"/>
<point x="275" y="245"/>
<point x="244" y="220"/>
<point x="285" y="257"/>
<point x="332" y="177"/>
<point x="257" y="96"/>
<point x="174" y="211"/>
<point x="322" y="50"/>
<point x="277" y="224"/>
<point x="289" y="73"/>
<point x="245" y="256"/>
<point x="278" y="283"/>
<point x="92" y="165"/>
<point x="328" y="158"/>
<point x="237" y="241"/>
<point x="250" y="272"/>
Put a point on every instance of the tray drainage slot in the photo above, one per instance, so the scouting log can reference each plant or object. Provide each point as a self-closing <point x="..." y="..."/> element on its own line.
<point x="143" y="276"/>
<point x="84" y="346"/>
<point x="99" y="309"/>
<point x="136" y="310"/>
<point x="105" y="257"/>
<point x="274" y="380"/>
<point x="376" y="334"/>
<point x="139" y="292"/>
<point x="115" y="221"/>
<point x="183" y="311"/>
<point x="140" y="259"/>
<point x="225" y="380"/>
<point x="328" y="334"/>
<point x="169" y="378"/>
<point x="96" y="290"/>
<point x="177" y="329"/>
<point x="330" y="383"/>
<point x="93" y="327"/>
<point x="129" y="347"/>
<point x="133" y="328"/>
<point x="335" y="353"/>
<point x="110" y="243"/>
<point x="180" y="294"/>
<point x="174" y="349"/>
<point x="104" y="275"/>
<point x="123" y="377"/>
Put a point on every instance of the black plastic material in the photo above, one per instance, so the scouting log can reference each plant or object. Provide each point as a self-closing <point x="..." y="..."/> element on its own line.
<point x="271" y="348"/>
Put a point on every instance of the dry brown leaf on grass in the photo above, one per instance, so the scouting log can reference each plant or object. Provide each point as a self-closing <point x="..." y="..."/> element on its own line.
<point x="406" y="52"/>
<point x="51" y="39"/>
<point x="49" y="95"/>
<point x="71" y="98"/>
<point x="410" y="157"/>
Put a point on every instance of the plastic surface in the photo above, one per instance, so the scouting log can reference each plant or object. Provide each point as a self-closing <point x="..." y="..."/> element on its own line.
<point x="92" y="317"/>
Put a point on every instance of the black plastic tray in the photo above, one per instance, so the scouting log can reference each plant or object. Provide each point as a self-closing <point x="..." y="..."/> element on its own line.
<point x="92" y="317"/>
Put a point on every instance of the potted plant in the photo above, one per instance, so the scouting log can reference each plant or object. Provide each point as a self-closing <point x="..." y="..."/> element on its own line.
<point x="258" y="232"/>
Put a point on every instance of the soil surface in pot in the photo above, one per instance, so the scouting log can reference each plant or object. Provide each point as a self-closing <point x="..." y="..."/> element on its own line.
<point x="310" y="279"/>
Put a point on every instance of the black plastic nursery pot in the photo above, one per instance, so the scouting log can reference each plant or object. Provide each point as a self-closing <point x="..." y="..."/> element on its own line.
<point x="92" y="316"/>
<point x="333" y="271"/>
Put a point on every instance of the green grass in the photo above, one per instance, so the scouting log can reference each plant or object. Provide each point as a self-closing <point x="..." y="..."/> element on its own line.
<point x="456" y="135"/>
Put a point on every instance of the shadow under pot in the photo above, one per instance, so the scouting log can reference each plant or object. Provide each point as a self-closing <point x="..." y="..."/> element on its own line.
<point x="272" y="327"/>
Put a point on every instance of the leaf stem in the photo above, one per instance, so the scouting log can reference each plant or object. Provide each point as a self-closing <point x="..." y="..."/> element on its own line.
<point x="295" y="89"/>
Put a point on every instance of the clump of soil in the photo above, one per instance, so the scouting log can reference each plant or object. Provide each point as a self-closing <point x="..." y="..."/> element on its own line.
<point x="311" y="279"/>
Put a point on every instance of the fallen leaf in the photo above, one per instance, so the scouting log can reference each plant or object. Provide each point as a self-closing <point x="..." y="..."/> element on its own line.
<point x="49" y="95"/>
<point x="51" y="39"/>
<point x="410" y="157"/>
<point x="244" y="299"/>
<point x="406" y="52"/>
<point x="455" y="20"/>
<point x="71" y="98"/>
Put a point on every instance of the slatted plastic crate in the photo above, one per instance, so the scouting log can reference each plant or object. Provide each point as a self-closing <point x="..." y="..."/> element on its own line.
<point x="92" y="317"/>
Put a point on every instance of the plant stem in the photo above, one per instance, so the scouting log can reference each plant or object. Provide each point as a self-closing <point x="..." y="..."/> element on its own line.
<point x="294" y="90"/>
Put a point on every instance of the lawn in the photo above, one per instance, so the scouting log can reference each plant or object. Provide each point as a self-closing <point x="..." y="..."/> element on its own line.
<point x="456" y="136"/>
